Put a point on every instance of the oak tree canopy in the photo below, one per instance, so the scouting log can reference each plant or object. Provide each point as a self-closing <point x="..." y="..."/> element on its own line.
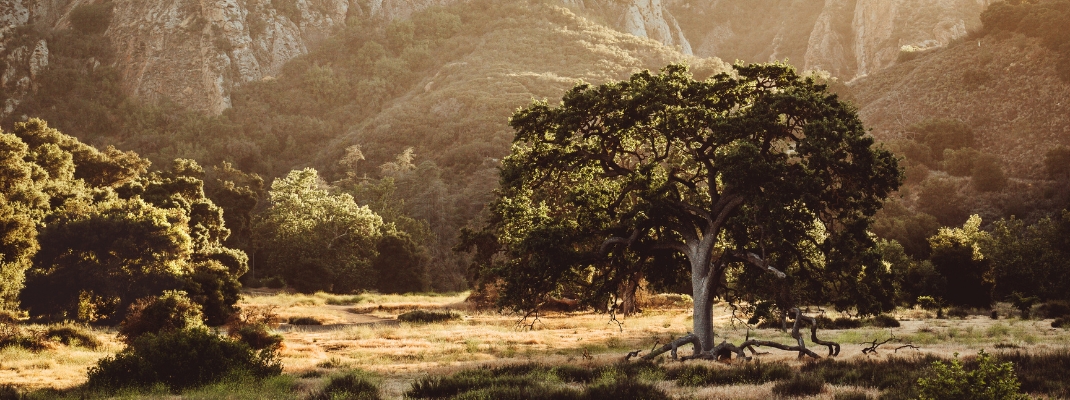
<point x="758" y="185"/>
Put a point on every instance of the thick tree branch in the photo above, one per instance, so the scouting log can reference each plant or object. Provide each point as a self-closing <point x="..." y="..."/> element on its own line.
<point x="757" y="261"/>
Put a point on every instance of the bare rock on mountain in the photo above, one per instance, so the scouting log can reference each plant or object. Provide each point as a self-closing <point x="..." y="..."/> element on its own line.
<point x="194" y="52"/>
<point x="400" y="9"/>
<point x="848" y="38"/>
<point x="648" y="18"/>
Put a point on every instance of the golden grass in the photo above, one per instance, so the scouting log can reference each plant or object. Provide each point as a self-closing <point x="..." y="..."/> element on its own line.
<point x="400" y="352"/>
<point x="58" y="367"/>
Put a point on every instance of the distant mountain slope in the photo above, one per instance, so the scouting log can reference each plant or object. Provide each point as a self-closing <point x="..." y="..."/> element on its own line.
<point x="1005" y="86"/>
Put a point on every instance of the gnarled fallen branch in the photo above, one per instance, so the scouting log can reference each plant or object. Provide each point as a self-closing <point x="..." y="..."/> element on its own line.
<point x="725" y="349"/>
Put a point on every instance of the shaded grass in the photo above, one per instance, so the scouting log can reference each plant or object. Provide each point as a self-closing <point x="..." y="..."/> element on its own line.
<point x="800" y="385"/>
<point x="755" y="373"/>
<point x="537" y="381"/>
<point x="354" y="385"/>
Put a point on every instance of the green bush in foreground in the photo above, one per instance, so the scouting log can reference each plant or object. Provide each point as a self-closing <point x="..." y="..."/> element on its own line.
<point x="181" y="360"/>
<point x="990" y="381"/>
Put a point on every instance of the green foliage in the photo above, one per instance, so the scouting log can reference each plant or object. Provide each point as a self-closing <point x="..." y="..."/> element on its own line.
<point x="171" y="311"/>
<point x="991" y="381"/>
<point x="423" y="316"/>
<point x="96" y="260"/>
<point x="1030" y="260"/>
<point x="401" y="265"/>
<point x="316" y="240"/>
<point x="180" y="360"/>
<point x="941" y="135"/>
<point x="111" y="232"/>
<point x="987" y="174"/>
<point x="941" y="198"/>
<point x="91" y="18"/>
<point x="957" y="257"/>
<point x="349" y="386"/>
<point x="800" y="385"/>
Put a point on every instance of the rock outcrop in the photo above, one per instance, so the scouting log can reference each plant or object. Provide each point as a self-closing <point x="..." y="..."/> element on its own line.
<point x="849" y="38"/>
<point x="195" y="51"/>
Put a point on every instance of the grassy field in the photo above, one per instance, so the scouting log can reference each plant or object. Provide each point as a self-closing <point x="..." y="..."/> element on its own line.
<point x="361" y="332"/>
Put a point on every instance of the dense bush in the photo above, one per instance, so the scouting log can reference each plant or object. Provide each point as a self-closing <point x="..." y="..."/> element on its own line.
<point x="181" y="360"/>
<point x="250" y="326"/>
<point x="171" y="311"/>
<point x="73" y="335"/>
<point x="304" y="321"/>
<point x="883" y="321"/>
<point x="990" y="381"/>
<point x="422" y="316"/>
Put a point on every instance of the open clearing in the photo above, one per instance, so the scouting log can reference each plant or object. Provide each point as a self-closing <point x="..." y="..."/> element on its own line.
<point x="361" y="332"/>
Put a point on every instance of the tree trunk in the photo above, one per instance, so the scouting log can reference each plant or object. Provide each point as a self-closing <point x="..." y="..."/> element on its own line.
<point x="628" y="289"/>
<point x="703" y="312"/>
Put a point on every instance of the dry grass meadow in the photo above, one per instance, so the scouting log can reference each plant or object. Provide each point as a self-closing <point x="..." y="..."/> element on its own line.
<point x="361" y="332"/>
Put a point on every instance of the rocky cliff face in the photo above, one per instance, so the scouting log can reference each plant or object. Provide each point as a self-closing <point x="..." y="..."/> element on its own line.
<point x="22" y="59"/>
<point x="849" y="38"/>
<point x="195" y="51"/>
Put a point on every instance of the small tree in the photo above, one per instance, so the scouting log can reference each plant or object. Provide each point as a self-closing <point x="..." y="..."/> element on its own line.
<point x="316" y="240"/>
<point x="663" y="176"/>
<point x="958" y="259"/>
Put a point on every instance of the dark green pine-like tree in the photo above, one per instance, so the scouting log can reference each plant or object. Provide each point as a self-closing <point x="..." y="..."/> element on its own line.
<point x="719" y="183"/>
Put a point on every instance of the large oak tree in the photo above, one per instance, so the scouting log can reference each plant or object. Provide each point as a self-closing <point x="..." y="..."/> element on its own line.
<point x="734" y="180"/>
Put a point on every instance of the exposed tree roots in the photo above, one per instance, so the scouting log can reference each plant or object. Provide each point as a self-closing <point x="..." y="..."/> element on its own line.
<point x="725" y="350"/>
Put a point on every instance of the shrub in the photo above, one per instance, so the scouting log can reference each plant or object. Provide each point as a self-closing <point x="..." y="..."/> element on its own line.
<point x="350" y="386"/>
<point x="1055" y="309"/>
<point x="421" y="316"/>
<point x="991" y="380"/>
<point x="958" y="312"/>
<point x="12" y="335"/>
<point x="250" y="326"/>
<point x="180" y="360"/>
<point x="273" y="282"/>
<point x="1060" y="323"/>
<point x="884" y="321"/>
<point x="800" y="385"/>
<point x="304" y="321"/>
<point x="171" y="311"/>
<point x="824" y="322"/>
<point x="72" y="335"/>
